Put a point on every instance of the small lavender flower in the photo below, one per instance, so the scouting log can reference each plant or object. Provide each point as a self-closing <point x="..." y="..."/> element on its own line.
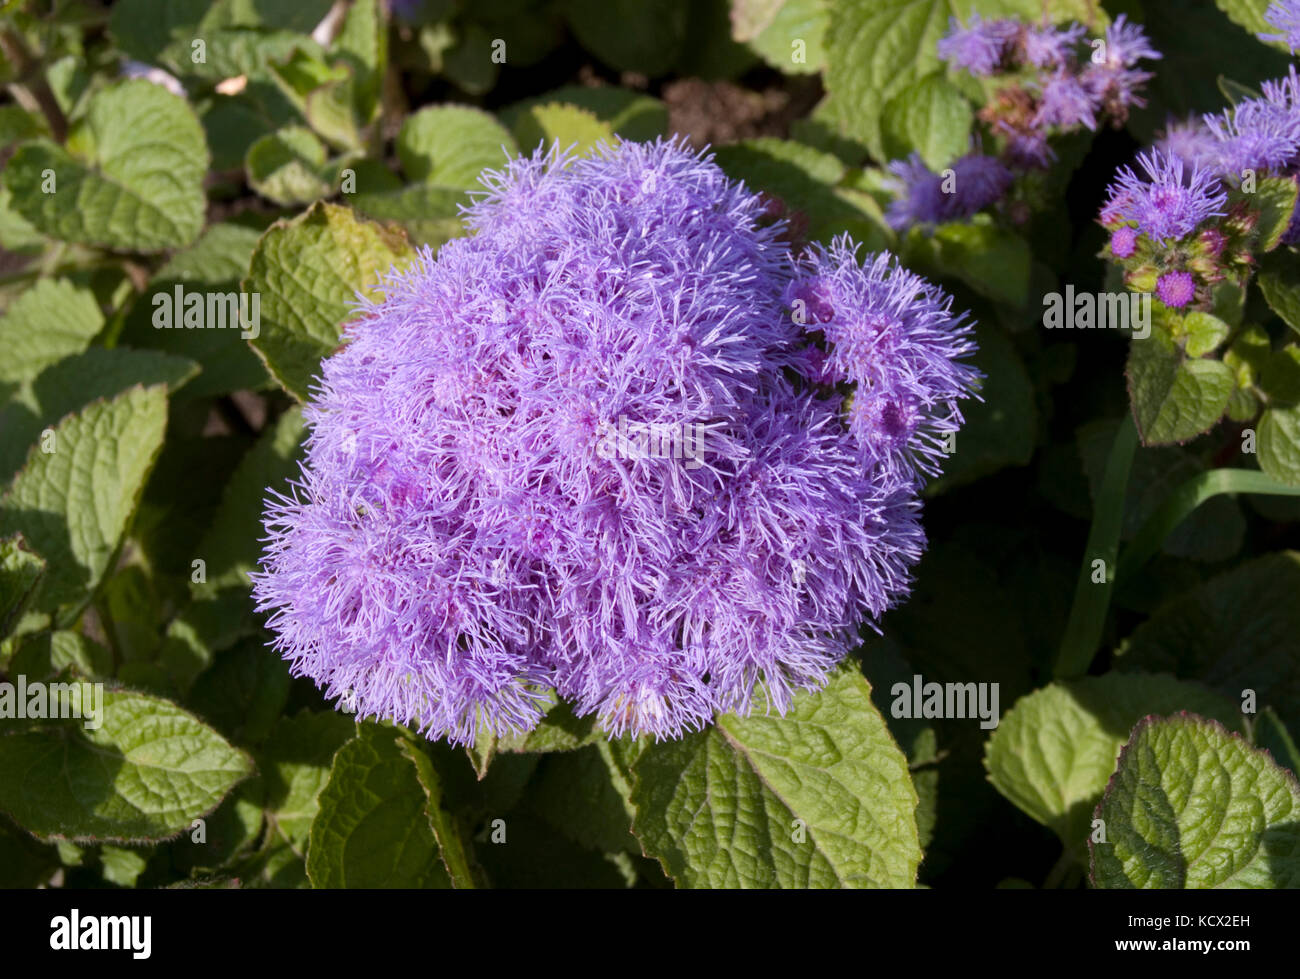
<point x="1261" y="133"/>
<point x="1123" y="242"/>
<point x="925" y="197"/>
<point x="894" y="336"/>
<point x="979" y="48"/>
<point x="1176" y="289"/>
<point x="1051" y="47"/>
<point x="1170" y="202"/>
<point x="466" y="532"/>
<point x="1284" y="16"/>
<point x="1114" y="80"/>
<point x="1193" y="143"/>
<point x="1065" y="102"/>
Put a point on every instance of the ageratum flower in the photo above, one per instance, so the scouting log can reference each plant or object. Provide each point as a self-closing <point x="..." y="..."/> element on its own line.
<point x="1263" y="133"/>
<point x="1051" y="47"/>
<point x="979" y="48"/>
<point x="586" y="448"/>
<point x="1170" y="203"/>
<point x="1284" y="17"/>
<point x="925" y="197"/>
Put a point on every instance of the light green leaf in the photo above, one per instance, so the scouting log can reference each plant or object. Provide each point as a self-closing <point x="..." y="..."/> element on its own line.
<point x="446" y="828"/>
<point x="47" y="654"/>
<point x="632" y="115"/>
<point x="1203" y="333"/>
<point x="73" y="504"/>
<point x="563" y="125"/>
<point x="1279" y="443"/>
<point x="371" y="829"/>
<point x="308" y="272"/>
<point x="1174" y="398"/>
<point x="288" y="166"/>
<point x="144" y="774"/>
<point x="450" y="145"/>
<point x="20" y="574"/>
<point x="131" y="176"/>
<point x="1055" y="749"/>
<point x="49" y="321"/>
<point x="1276" y="199"/>
<point x="295" y="763"/>
<point x="794" y="39"/>
<point x="1282" y="296"/>
<point x="819" y="798"/>
<point x="1193" y="806"/>
<point x="932" y="118"/>
<point x="992" y="261"/>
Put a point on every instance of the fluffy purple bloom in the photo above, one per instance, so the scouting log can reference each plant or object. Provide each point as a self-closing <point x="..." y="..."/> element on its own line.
<point x="1123" y="242"/>
<point x="1284" y="16"/>
<point x="926" y="197"/>
<point x="1065" y="102"/>
<point x="979" y="48"/>
<point x="1113" y="80"/>
<point x="1193" y="143"/>
<point x="1176" y="289"/>
<point x="1261" y="133"/>
<point x="1051" y="47"/>
<point x="573" y="452"/>
<point x="893" y="335"/>
<point x="1170" y="202"/>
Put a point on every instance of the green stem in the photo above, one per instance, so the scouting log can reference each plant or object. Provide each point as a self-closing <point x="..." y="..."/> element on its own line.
<point x="1092" y="598"/>
<point x="1186" y="498"/>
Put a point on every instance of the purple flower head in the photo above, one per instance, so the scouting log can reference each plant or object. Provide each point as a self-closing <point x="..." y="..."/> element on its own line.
<point x="1261" y="133"/>
<point x="1170" y="202"/>
<point x="979" y="48"/>
<point x="1176" y="289"/>
<point x="1065" y="102"/>
<point x="1051" y="47"/>
<point x="925" y="197"/>
<point x="1111" y="76"/>
<point x="1123" y="242"/>
<point x="1027" y="148"/>
<point x="1126" y="45"/>
<point x="1193" y="143"/>
<point x="894" y="336"/>
<point x="1284" y="16"/>
<point x="569" y="453"/>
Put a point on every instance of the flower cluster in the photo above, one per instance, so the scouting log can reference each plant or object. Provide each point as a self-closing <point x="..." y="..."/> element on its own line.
<point x="1042" y="86"/>
<point x="1049" y="86"/>
<point x="1284" y="17"/>
<point x="1191" y="221"/>
<point x="467" y="533"/>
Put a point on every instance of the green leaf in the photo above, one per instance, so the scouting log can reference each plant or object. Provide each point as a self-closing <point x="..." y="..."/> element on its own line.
<point x="1203" y="333"/>
<point x="1239" y="633"/>
<point x="931" y="118"/>
<point x="1276" y="199"/>
<point x="213" y="265"/>
<point x="73" y="383"/>
<point x="446" y="828"/>
<point x="562" y="125"/>
<point x="1193" y="806"/>
<point x="243" y="692"/>
<point x="585" y="797"/>
<point x="1271" y="735"/>
<point x="362" y="44"/>
<point x="74" y="503"/>
<point x="20" y="574"/>
<point x="632" y="115"/>
<point x="1055" y="749"/>
<point x="308" y="272"/>
<point x="992" y="261"/>
<point x="231" y="547"/>
<point x="50" y="320"/>
<point x="1175" y="398"/>
<point x="295" y="763"/>
<point x="559" y="730"/>
<point x="819" y="798"/>
<point x="144" y="774"/>
<point x="288" y="167"/>
<point x="1282" y="296"/>
<point x="793" y="38"/>
<point x="47" y="654"/>
<point x="1279" y="443"/>
<point x="450" y="145"/>
<point x="646" y="36"/>
<point x="130" y="178"/>
<point x="371" y="829"/>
